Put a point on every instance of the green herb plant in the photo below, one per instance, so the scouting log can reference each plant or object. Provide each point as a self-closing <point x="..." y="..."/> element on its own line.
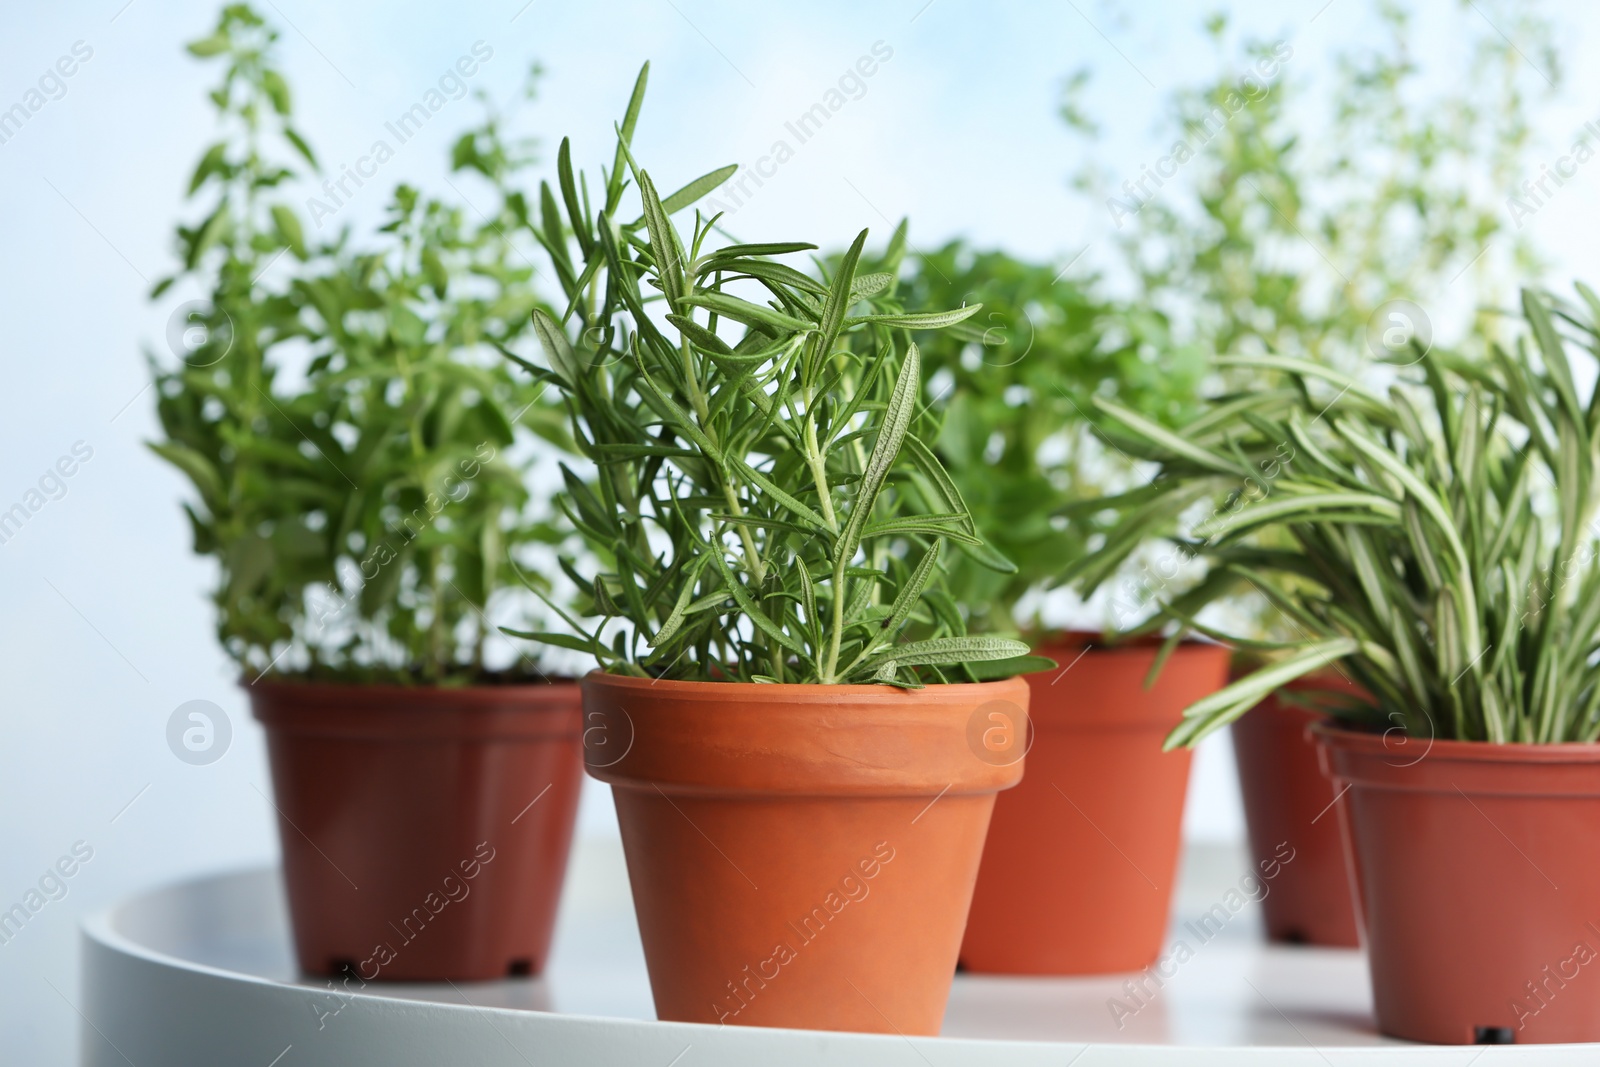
<point x="1013" y="389"/>
<point x="1272" y="240"/>
<point x="765" y="506"/>
<point x="356" y="446"/>
<point x="1438" y="540"/>
<point x="1277" y="239"/>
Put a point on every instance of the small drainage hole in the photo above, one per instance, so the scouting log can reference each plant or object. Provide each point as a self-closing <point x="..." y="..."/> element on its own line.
<point x="520" y="968"/>
<point x="342" y="967"/>
<point x="1295" y="936"/>
<point x="1493" y="1035"/>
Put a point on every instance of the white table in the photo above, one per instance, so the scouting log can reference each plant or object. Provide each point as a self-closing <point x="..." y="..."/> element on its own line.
<point x="201" y="973"/>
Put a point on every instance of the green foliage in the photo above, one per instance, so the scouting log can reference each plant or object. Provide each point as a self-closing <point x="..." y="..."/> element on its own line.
<point x="766" y="506"/>
<point x="1273" y="240"/>
<point x="355" y="444"/>
<point x="1439" y="539"/>
<point x="1014" y="388"/>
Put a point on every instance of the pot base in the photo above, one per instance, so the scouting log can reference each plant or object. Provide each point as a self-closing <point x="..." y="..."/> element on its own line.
<point x="425" y="831"/>
<point x="1480" y="877"/>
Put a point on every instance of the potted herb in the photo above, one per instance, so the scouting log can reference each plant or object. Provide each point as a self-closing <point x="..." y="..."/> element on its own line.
<point x="356" y="482"/>
<point x="1268" y="241"/>
<point x="1441" y="549"/>
<point x="788" y="710"/>
<point x="1081" y="860"/>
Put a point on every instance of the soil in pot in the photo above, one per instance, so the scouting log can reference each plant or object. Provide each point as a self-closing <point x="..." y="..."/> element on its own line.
<point x="1081" y="861"/>
<point x="1480" y="879"/>
<point x="1288" y="807"/>
<point x="802" y="855"/>
<point x="425" y="831"/>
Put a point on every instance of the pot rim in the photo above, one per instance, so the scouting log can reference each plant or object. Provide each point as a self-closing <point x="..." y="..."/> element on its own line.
<point x="400" y="713"/>
<point x="1365" y="742"/>
<point x="793" y="692"/>
<point x="1099" y="641"/>
<point x="752" y="739"/>
<point x="289" y="684"/>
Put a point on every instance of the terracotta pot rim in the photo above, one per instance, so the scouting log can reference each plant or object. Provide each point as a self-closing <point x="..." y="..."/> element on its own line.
<point x="1360" y="742"/>
<point x="400" y="713"/>
<point x="389" y="689"/>
<point x="794" y="692"/>
<point x="1099" y="643"/>
<point x="759" y="740"/>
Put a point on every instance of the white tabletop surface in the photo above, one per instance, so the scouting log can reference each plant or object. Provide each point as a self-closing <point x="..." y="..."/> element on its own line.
<point x="203" y="970"/>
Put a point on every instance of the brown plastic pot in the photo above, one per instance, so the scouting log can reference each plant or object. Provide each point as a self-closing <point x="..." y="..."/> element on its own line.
<point x="1288" y="801"/>
<point x="1480" y="878"/>
<point x="425" y="831"/>
<point x="1080" y="865"/>
<point x="802" y="855"/>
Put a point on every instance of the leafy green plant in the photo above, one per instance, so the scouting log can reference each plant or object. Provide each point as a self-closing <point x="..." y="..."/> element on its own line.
<point x="1439" y="538"/>
<point x="1013" y="390"/>
<point x="355" y="445"/>
<point x="1271" y="240"/>
<point x="765" y="505"/>
<point x="1302" y="213"/>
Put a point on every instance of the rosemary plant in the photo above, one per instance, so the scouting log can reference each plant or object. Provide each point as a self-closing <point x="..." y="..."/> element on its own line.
<point x="1440" y="538"/>
<point x="765" y="505"/>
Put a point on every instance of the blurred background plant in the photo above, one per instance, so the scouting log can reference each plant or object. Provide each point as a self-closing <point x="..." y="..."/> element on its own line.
<point x="1012" y="389"/>
<point x="357" y="449"/>
<point x="1272" y="241"/>
<point x="1259" y="241"/>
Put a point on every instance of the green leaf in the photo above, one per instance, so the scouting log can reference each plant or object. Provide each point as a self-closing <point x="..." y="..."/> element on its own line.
<point x="205" y="47"/>
<point x="289" y="227"/>
<point x="630" y="119"/>
<point x="1168" y="440"/>
<point x="300" y="145"/>
<point x="663" y="242"/>
<point x="834" y="307"/>
<point x="547" y="637"/>
<point x="996" y="669"/>
<point x="197" y="467"/>
<point x="687" y="195"/>
<point x="557" y="349"/>
<point x="950" y="651"/>
<point x="1212" y="712"/>
<point x="923" y="320"/>
<point x="744" y="311"/>
<point x="865" y="286"/>
<point x="213" y="162"/>
<point x="896" y="420"/>
<point x="277" y="90"/>
<point x="783" y="498"/>
<point x="951" y="526"/>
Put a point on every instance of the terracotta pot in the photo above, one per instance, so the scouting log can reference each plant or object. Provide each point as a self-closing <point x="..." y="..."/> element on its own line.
<point x="1288" y="804"/>
<point x="1081" y="861"/>
<point x="425" y="831"/>
<point x="802" y="855"/>
<point x="1480" y="876"/>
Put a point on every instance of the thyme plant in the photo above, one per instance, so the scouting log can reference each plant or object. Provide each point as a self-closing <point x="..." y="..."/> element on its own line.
<point x="765" y="506"/>
<point x="352" y="439"/>
<point x="1439" y="538"/>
